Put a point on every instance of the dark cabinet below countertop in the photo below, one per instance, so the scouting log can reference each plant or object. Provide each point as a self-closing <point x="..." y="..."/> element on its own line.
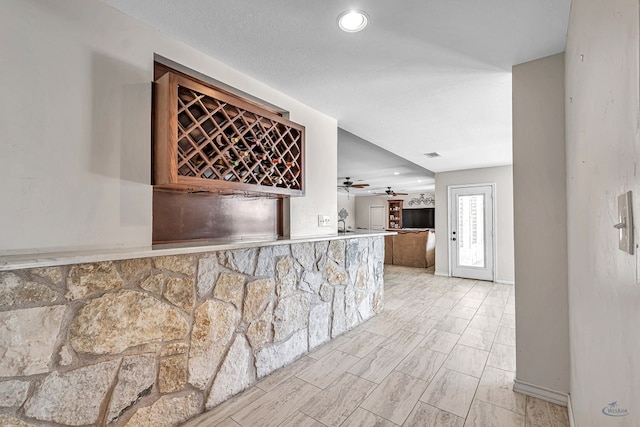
<point x="411" y="248"/>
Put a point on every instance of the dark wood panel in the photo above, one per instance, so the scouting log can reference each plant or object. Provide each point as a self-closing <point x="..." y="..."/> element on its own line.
<point x="165" y="127"/>
<point x="182" y="217"/>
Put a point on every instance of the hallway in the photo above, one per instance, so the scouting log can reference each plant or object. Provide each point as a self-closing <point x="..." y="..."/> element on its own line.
<point x="441" y="354"/>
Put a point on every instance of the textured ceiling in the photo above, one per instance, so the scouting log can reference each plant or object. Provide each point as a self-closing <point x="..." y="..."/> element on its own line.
<point x="367" y="163"/>
<point x="424" y="76"/>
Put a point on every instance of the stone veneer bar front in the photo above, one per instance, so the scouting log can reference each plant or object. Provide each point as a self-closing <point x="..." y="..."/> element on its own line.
<point x="155" y="340"/>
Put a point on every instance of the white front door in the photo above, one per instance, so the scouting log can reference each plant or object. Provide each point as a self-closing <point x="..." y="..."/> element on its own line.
<point x="471" y="232"/>
<point x="376" y="217"/>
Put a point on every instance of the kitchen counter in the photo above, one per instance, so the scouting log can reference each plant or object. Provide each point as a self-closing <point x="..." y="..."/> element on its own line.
<point x="177" y="318"/>
<point x="411" y="247"/>
<point x="50" y="259"/>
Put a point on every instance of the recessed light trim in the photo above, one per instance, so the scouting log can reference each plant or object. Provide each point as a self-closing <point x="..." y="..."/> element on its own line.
<point x="396" y="173"/>
<point x="352" y="20"/>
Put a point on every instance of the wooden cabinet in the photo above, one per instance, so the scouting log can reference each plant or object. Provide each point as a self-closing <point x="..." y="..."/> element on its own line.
<point x="206" y="139"/>
<point x="395" y="214"/>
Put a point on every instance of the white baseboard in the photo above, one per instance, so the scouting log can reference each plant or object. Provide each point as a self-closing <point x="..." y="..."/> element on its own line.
<point x="572" y="422"/>
<point x="542" y="393"/>
<point x="505" y="282"/>
<point x="438" y="273"/>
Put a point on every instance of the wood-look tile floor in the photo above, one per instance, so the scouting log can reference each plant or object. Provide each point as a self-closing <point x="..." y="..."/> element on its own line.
<point x="442" y="353"/>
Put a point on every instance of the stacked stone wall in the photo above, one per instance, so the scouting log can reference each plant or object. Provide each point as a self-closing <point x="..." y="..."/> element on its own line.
<point x="155" y="341"/>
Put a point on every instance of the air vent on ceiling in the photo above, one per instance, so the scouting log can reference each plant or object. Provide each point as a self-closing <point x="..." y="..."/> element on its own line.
<point x="432" y="155"/>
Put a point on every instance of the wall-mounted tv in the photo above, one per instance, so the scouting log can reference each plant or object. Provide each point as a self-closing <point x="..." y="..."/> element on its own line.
<point x="418" y="218"/>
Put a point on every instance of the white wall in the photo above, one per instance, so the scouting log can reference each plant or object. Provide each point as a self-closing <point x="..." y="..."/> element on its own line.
<point x="363" y="203"/>
<point x="540" y="225"/>
<point x="603" y="156"/>
<point x="502" y="177"/>
<point x="348" y="203"/>
<point x="362" y="208"/>
<point x="75" y="118"/>
<point x="406" y="199"/>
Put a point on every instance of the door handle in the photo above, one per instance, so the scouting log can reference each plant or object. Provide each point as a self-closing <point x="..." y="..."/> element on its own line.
<point x="454" y="239"/>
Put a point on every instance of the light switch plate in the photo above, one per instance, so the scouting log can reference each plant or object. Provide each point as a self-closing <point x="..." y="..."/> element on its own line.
<point x="625" y="223"/>
<point x="324" y="220"/>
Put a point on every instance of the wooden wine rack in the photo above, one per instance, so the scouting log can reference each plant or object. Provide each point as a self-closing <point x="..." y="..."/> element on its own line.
<point x="206" y="139"/>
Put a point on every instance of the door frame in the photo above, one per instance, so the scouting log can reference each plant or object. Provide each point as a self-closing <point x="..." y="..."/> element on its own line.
<point x="493" y="224"/>
<point x="384" y="221"/>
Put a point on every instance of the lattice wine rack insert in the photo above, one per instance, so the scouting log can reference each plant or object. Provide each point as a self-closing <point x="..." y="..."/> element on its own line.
<point x="225" y="143"/>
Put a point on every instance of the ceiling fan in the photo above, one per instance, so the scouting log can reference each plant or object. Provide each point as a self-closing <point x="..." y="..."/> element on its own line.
<point x="389" y="193"/>
<point x="348" y="184"/>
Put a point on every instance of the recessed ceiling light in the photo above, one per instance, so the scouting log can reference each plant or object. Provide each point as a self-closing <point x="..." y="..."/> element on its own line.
<point x="352" y="21"/>
<point x="396" y="173"/>
<point x="419" y="180"/>
<point x="432" y="155"/>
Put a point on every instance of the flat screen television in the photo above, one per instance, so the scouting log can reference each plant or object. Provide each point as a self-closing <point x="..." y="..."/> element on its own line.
<point x="418" y="218"/>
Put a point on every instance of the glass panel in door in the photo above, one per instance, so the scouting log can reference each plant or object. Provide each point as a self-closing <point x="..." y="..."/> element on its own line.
<point x="471" y="247"/>
<point x="471" y="232"/>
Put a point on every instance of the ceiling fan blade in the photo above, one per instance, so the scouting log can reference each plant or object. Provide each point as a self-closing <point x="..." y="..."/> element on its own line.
<point x="360" y="185"/>
<point x="400" y="194"/>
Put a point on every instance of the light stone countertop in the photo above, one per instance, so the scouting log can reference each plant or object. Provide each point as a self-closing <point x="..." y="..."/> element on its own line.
<point x="49" y="259"/>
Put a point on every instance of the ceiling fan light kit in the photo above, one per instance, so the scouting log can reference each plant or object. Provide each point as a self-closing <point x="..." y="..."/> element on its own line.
<point x="390" y="193"/>
<point x="348" y="184"/>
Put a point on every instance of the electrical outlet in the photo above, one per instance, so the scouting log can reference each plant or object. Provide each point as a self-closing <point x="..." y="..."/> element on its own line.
<point x="324" y="220"/>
